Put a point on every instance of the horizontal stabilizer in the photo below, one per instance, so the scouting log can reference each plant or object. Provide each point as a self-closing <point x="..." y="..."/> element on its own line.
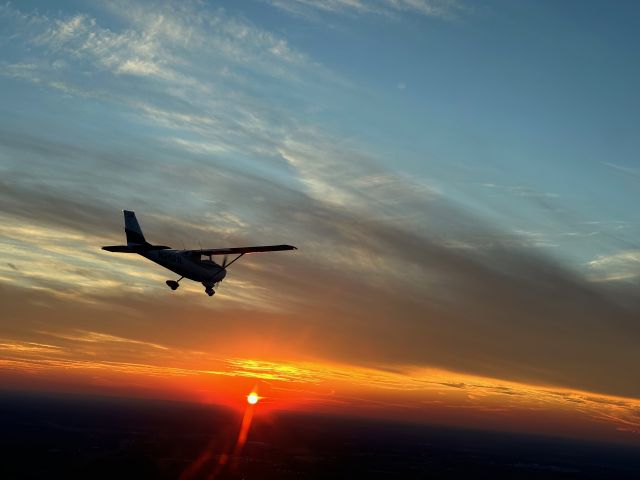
<point x="243" y="250"/>
<point x="134" y="248"/>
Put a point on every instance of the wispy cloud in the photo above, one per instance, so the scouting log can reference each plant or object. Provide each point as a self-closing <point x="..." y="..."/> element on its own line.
<point x="101" y="338"/>
<point x="154" y="41"/>
<point x="387" y="8"/>
<point x="632" y="172"/>
<point x="520" y="191"/>
<point x="196" y="67"/>
<point x="619" y="266"/>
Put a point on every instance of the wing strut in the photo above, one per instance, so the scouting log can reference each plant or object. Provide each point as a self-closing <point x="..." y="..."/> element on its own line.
<point x="224" y="262"/>
<point x="234" y="260"/>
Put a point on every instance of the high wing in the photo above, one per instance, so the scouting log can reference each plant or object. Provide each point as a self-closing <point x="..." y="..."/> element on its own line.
<point x="241" y="250"/>
<point x="134" y="248"/>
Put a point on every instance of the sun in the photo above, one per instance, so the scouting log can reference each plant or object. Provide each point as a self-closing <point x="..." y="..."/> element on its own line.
<point x="253" y="398"/>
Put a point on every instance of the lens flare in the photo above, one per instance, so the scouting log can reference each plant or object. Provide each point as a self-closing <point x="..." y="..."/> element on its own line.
<point x="252" y="398"/>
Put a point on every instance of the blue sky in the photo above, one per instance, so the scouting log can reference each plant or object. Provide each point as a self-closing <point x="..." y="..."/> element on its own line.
<point x="452" y="153"/>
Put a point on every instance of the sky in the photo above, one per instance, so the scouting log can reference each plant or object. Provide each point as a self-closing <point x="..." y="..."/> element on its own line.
<point x="460" y="178"/>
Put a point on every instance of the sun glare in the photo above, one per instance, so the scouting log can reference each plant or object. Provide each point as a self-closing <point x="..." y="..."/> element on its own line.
<point x="252" y="398"/>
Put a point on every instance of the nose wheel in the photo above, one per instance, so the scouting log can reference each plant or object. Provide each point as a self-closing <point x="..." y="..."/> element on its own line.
<point x="210" y="291"/>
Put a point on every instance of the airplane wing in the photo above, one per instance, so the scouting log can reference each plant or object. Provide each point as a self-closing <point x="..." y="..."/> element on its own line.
<point x="241" y="250"/>
<point x="134" y="248"/>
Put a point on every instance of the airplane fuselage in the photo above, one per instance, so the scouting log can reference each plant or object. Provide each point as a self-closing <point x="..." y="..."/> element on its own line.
<point x="180" y="262"/>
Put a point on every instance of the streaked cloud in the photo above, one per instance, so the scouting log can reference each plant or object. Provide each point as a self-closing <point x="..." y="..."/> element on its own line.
<point x="418" y="394"/>
<point x="619" y="266"/>
<point x="386" y="8"/>
<point x="97" y="337"/>
<point x="632" y="172"/>
<point x="520" y="190"/>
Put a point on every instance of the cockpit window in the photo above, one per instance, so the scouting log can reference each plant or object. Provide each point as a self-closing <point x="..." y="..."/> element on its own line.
<point x="207" y="260"/>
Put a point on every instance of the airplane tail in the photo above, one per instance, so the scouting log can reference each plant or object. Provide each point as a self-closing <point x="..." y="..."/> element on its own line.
<point x="133" y="230"/>
<point x="136" y="242"/>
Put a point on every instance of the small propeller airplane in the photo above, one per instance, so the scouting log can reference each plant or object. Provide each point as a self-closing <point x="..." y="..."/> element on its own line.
<point x="186" y="263"/>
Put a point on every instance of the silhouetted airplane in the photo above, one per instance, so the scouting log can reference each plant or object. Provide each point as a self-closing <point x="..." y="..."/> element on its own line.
<point x="186" y="263"/>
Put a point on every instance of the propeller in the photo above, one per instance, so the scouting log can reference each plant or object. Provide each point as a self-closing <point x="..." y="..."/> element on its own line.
<point x="223" y="266"/>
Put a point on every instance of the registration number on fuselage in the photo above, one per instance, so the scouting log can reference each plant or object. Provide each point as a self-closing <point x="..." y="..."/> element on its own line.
<point x="171" y="257"/>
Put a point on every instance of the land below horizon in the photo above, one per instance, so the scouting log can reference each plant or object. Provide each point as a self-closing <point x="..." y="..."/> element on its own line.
<point x="79" y="436"/>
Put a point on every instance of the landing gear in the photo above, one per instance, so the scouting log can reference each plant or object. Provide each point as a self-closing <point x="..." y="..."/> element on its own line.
<point x="208" y="288"/>
<point x="173" y="284"/>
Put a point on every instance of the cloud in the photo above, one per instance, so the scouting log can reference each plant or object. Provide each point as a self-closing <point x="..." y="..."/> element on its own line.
<point x="174" y="65"/>
<point x="102" y="338"/>
<point x="154" y="42"/>
<point x="631" y="172"/>
<point x="105" y="362"/>
<point x="521" y="191"/>
<point x="446" y="9"/>
<point x="395" y="296"/>
<point x="619" y="266"/>
<point x="391" y="288"/>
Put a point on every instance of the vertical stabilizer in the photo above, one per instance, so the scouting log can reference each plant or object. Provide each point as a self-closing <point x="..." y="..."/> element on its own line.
<point x="132" y="229"/>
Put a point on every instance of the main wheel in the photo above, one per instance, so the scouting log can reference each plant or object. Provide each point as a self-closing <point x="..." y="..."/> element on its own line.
<point x="210" y="291"/>
<point x="172" y="284"/>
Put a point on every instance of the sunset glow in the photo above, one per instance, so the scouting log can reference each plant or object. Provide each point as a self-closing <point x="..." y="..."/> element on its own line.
<point x="420" y="395"/>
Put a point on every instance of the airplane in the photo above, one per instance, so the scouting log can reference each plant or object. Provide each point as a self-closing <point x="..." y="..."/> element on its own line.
<point x="186" y="263"/>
